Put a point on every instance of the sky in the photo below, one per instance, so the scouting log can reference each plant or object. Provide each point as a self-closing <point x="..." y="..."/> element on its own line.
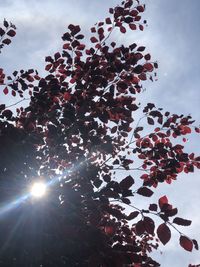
<point x="172" y="37"/>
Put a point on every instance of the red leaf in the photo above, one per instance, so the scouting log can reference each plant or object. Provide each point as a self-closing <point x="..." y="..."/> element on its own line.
<point x="109" y="230"/>
<point x="5" y="23"/>
<point x="2" y="107"/>
<point x="148" y="66"/>
<point x="48" y="67"/>
<point x="6" y="41"/>
<point x="147" y="56"/>
<point x="141" y="48"/>
<point x="149" y="225"/>
<point x="187" y="130"/>
<point x="163" y="200"/>
<point x="186" y="243"/>
<point x="126" y="200"/>
<point x="132" y="215"/>
<point x="11" y="33"/>
<point x="80" y="36"/>
<point x="122" y="29"/>
<point x="2" y="32"/>
<point x="140" y="8"/>
<point x="108" y="21"/>
<point x="93" y="39"/>
<point x="67" y="96"/>
<point x="164" y="233"/>
<point x="13" y="93"/>
<point x="142" y="76"/>
<point x="181" y="221"/>
<point x="127" y="182"/>
<point x="93" y="29"/>
<point x="111" y="10"/>
<point x="132" y="27"/>
<point x="141" y="27"/>
<point x="140" y="229"/>
<point x="7" y="113"/>
<point x="197" y="130"/>
<point x="150" y="121"/>
<point x="138" y="69"/>
<point x="5" y="90"/>
<point x="145" y="191"/>
<point x="134" y="13"/>
<point x="153" y="207"/>
<point x="114" y="129"/>
<point x="81" y="47"/>
<point x="66" y="45"/>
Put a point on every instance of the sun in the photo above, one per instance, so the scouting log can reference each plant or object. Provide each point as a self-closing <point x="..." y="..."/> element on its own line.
<point x="38" y="189"/>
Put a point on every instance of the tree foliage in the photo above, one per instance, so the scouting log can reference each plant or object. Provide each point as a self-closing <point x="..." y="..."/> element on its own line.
<point x="80" y="134"/>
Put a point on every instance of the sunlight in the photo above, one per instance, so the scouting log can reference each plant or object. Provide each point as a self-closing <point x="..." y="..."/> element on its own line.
<point x="38" y="189"/>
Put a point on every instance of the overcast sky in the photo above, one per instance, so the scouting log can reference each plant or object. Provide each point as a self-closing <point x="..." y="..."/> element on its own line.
<point x="172" y="37"/>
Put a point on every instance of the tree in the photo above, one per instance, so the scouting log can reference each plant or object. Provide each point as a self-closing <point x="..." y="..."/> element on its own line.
<point x="80" y="135"/>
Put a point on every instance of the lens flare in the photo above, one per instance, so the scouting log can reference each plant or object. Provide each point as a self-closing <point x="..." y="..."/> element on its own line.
<point x="38" y="189"/>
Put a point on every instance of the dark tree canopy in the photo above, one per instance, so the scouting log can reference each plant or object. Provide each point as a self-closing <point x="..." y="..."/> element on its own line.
<point x="81" y="135"/>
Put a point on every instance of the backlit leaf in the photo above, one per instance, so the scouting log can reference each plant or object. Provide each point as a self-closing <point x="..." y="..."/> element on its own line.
<point x="145" y="191"/>
<point x="164" y="233"/>
<point x="186" y="243"/>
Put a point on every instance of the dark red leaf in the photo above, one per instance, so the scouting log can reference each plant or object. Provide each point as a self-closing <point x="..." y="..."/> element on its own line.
<point x="171" y="212"/>
<point x="122" y="29"/>
<point x="141" y="48"/>
<point x="147" y="56"/>
<point x="6" y="41"/>
<point x="132" y="27"/>
<point x="153" y="207"/>
<point x="142" y="76"/>
<point x="132" y="215"/>
<point x="5" y="23"/>
<point x="5" y="90"/>
<point x="140" y="8"/>
<point x="145" y="191"/>
<point x="93" y="29"/>
<point x="132" y="46"/>
<point x="114" y="129"/>
<point x="126" y="200"/>
<point x="181" y="221"/>
<point x="150" y="121"/>
<point x="13" y="93"/>
<point x="48" y="67"/>
<point x="138" y="69"/>
<point x="93" y="39"/>
<point x="2" y="107"/>
<point x="163" y="200"/>
<point x="2" y="32"/>
<point x="141" y="27"/>
<point x="108" y="21"/>
<point x="80" y="36"/>
<point x="140" y="228"/>
<point x="134" y="13"/>
<point x="7" y="113"/>
<point x="149" y="225"/>
<point x="111" y="10"/>
<point x="186" y="243"/>
<point x="67" y="96"/>
<point x="164" y="233"/>
<point x="148" y="67"/>
<point x="11" y="33"/>
<point x="109" y="230"/>
<point x="137" y="18"/>
<point x="127" y="182"/>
